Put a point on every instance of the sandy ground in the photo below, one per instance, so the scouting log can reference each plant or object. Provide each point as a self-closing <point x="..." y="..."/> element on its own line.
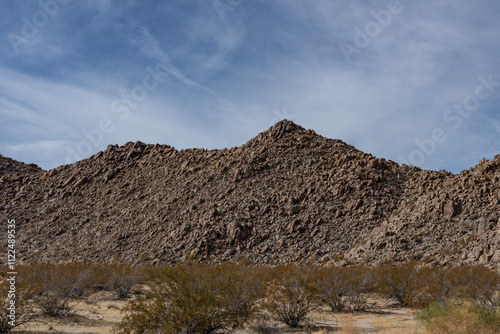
<point x="388" y="321"/>
<point x="97" y="314"/>
<point x="101" y="311"/>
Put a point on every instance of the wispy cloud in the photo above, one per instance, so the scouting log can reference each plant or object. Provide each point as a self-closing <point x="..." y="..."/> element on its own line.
<point x="227" y="77"/>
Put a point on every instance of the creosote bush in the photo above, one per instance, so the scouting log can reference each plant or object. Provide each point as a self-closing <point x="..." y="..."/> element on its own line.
<point x="417" y="286"/>
<point x="292" y="295"/>
<point x="200" y="298"/>
<point x="24" y="311"/>
<point x="332" y="286"/>
<point x="478" y="284"/>
<point x="344" y="289"/>
<point x="360" y="282"/>
<point x="122" y="278"/>
<point x="55" y="287"/>
<point x="194" y="299"/>
<point x="411" y="284"/>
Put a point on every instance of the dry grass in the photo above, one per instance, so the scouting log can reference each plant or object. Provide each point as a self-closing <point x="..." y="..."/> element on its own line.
<point x="455" y="316"/>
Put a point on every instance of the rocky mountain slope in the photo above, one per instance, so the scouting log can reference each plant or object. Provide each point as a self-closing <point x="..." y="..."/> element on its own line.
<point x="286" y="195"/>
<point x="15" y="168"/>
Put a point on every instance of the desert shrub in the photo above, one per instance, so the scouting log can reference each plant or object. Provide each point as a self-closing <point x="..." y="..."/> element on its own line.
<point x="194" y="299"/>
<point x="433" y="310"/>
<point x="411" y="284"/>
<point x="122" y="278"/>
<point x="55" y="286"/>
<point x="437" y="285"/>
<point x="429" y="284"/>
<point x="263" y="325"/>
<point x="359" y="284"/>
<point x="398" y="282"/>
<point x="478" y="284"/>
<point x="453" y="316"/>
<point x="77" y="277"/>
<point x="332" y="285"/>
<point x="415" y="285"/>
<point x="292" y="295"/>
<point x="24" y="311"/>
<point x="99" y="275"/>
<point x="344" y="289"/>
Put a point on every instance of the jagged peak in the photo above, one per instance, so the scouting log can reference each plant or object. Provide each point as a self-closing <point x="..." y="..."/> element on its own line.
<point x="485" y="165"/>
<point x="284" y="126"/>
<point x="278" y="130"/>
<point x="276" y="133"/>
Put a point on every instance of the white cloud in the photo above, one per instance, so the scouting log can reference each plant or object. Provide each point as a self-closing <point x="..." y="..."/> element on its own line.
<point x="226" y="77"/>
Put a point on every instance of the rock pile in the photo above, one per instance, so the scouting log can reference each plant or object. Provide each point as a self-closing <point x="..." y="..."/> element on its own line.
<point x="287" y="195"/>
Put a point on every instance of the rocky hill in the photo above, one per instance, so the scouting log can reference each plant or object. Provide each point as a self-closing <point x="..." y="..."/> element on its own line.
<point x="288" y="194"/>
<point x="15" y="168"/>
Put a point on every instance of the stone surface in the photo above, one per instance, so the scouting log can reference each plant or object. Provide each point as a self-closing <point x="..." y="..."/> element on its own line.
<point x="287" y="195"/>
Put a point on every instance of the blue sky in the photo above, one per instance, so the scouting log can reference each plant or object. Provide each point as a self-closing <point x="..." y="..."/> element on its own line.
<point x="411" y="81"/>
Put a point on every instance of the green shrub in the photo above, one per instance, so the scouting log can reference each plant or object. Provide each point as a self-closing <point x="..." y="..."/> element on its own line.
<point x="434" y="310"/>
<point x="455" y="316"/>
<point x="488" y="316"/>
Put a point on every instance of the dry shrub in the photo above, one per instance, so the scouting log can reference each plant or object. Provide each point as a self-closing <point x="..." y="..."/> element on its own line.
<point x="55" y="286"/>
<point x="360" y="282"/>
<point x="117" y="278"/>
<point x="412" y="284"/>
<point x="399" y="282"/>
<point x="100" y="277"/>
<point x="122" y="278"/>
<point x="194" y="299"/>
<point x="415" y="285"/>
<point x="453" y="316"/>
<point x="291" y="295"/>
<point x="438" y="285"/>
<point x="344" y="289"/>
<point x="263" y="325"/>
<point x="24" y="311"/>
<point x="478" y="284"/>
<point x="332" y="286"/>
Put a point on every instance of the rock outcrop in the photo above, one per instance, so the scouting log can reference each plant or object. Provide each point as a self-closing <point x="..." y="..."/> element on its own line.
<point x="287" y="195"/>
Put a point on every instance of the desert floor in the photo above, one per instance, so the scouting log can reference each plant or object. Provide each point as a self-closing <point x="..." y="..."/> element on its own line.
<point x="99" y="312"/>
